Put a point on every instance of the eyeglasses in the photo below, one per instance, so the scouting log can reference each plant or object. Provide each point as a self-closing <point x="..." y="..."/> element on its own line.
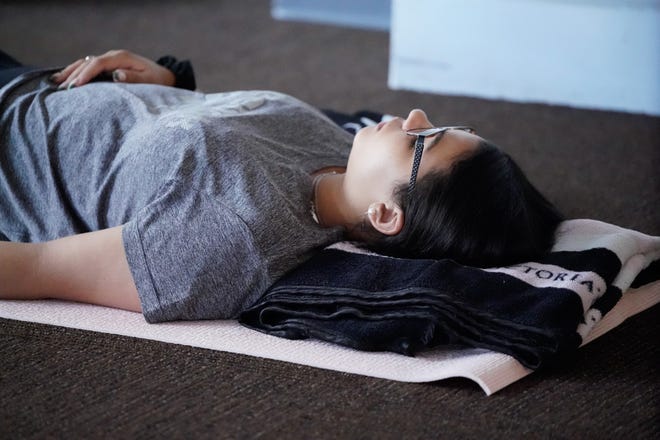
<point x="422" y="134"/>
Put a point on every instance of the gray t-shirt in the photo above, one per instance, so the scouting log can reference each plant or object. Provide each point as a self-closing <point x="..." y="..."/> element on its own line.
<point x="213" y="190"/>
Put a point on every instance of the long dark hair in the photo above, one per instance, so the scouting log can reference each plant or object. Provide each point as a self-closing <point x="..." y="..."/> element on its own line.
<point x="481" y="212"/>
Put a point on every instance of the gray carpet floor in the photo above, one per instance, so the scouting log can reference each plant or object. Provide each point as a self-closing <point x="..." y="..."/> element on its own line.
<point x="63" y="383"/>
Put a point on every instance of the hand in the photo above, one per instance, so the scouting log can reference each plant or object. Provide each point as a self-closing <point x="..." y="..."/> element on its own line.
<point x="124" y="66"/>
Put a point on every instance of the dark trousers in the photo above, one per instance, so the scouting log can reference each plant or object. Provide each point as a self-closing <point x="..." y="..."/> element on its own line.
<point x="10" y="68"/>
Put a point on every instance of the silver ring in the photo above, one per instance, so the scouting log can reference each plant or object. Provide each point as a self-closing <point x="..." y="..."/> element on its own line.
<point x="89" y="58"/>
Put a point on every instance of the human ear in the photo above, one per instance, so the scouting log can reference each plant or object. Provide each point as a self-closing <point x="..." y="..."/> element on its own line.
<point x="387" y="218"/>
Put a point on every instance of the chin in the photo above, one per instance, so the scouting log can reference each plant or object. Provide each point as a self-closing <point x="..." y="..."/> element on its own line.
<point x="356" y="142"/>
<point x="361" y="137"/>
<point x="361" y="132"/>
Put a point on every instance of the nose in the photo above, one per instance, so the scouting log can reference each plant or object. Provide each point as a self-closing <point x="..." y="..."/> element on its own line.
<point x="416" y="119"/>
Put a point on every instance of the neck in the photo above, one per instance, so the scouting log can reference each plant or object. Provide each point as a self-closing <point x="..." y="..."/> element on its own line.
<point x="331" y="206"/>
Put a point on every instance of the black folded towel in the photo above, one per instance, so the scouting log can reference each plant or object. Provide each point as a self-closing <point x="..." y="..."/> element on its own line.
<point x="530" y="311"/>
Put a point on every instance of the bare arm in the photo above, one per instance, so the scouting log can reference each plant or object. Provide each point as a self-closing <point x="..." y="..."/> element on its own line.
<point x="90" y="268"/>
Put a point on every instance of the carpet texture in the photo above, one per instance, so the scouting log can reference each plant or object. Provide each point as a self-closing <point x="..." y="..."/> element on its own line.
<point x="57" y="382"/>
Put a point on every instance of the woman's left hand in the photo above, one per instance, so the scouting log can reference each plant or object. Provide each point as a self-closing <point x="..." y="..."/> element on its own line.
<point x="124" y="66"/>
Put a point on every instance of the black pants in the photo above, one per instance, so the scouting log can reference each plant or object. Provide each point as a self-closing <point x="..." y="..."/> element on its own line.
<point x="10" y="68"/>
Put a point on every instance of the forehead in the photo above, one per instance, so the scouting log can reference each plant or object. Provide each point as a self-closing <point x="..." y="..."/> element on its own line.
<point x="441" y="152"/>
<point x="461" y="136"/>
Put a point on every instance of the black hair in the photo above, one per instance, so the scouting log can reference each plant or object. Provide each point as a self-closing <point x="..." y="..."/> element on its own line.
<point x="482" y="212"/>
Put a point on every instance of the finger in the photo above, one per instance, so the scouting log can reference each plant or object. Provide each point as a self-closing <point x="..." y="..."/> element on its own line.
<point x="121" y="75"/>
<point x="153" y="74"/>
<point x="64" y="74"/>
<point x="88" y="70"/>
<point x="130" y="76"/>
<point x="73" y="78"/>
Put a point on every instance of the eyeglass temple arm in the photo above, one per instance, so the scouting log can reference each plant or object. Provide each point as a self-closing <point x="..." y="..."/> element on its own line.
<point x="419" y="149"/>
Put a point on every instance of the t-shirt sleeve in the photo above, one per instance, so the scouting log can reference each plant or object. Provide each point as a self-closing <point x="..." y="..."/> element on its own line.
<point x="192" y="258"/>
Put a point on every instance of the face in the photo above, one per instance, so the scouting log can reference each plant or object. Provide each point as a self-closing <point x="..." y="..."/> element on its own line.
<point x="382" y="156"/>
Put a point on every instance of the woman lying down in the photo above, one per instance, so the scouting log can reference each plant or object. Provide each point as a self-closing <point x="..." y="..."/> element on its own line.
<point x="135" y="193"/>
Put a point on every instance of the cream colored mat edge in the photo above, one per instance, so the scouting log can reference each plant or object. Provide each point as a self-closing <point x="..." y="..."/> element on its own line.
<point x="492" y="371"/>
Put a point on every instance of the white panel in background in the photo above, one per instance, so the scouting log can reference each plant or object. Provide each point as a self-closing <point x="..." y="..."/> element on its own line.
<point x="602" y="54"/>
<point x="366" y="14"/>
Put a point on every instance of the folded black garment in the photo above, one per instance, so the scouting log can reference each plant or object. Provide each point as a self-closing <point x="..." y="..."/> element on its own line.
<point x="354" y="122"/>
<point x="530" y="311"/>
